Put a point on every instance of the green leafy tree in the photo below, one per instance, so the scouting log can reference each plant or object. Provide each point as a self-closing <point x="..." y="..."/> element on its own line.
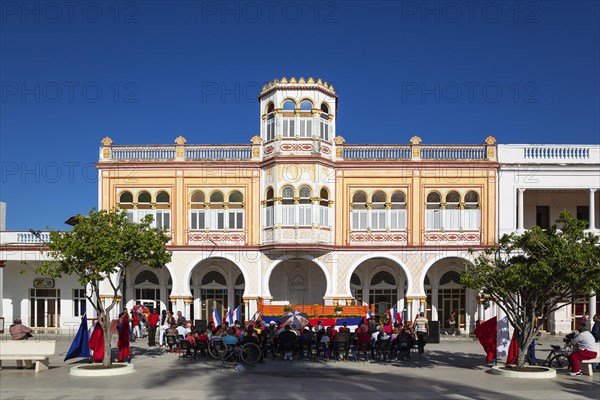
<point x="101" y="246"/>
<point x="533" y="274"/>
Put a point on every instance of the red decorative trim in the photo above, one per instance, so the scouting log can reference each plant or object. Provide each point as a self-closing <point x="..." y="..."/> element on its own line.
<point x="325" y="150"/>
<point x="297" y="147"/>
<point x="216" y="237"/>
<point x="269" y="149"/>
<point x="453" y="237"/>
<point x="378" y="237"/>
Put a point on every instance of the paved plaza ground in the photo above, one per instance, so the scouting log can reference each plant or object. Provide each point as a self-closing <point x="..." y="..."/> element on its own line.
<point x="453" y="369"/>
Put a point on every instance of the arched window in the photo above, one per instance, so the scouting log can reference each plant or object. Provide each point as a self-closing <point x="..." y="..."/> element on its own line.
<point x="269" y="207"/>
<point x="216" y="197"/>
<point x="383" y="277"/>
<point x="324" y="207"/>
<point x="146" y="277"/>
<point x="240" y="280"/>
<point x="324" y="122"/>
<point x="236" y="210"/>
<point x="125" y="200"/>
<point x="216" y="212"/>
<point x="306" y="120"/>
<point x="289" y="105"/>
<point x="214" y="277"/>
<point x="452" y="212"/>
<point x="197" y="211"/>
<point x="287" y="206"/>
<point x="472" y="211"/>
<point x="197" y="199"/>
<point x="270" y="128"/>
<point x="378" y="211"/>
<point x="306" y="105"/>
<point x="358" y="213"/>
<point x="433" y="213"/>
<point x="450" y="277"/>
<point x="144" y="199"/>
<point x="398" y="211"/>
<point x="304" y="206"/>
<point x="270" y="107"/>
<point x="162" y="197"/>
<point x="289" y="119"/>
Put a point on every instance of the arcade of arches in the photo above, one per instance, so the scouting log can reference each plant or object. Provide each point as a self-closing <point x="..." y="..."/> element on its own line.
<point x="218" y="283"/>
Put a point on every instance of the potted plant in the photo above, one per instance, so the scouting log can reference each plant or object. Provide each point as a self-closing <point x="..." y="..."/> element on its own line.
<point x="338" y="309"/>
<point x="288" y="307"/>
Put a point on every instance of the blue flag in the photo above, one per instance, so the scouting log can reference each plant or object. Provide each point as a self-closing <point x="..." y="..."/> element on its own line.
<point x="79" y="347"/>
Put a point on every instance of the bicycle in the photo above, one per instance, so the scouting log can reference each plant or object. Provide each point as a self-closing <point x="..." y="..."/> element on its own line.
<point x="558" y="357"/>
<point x="248" y="353"/>
<point x="216" y="348"/>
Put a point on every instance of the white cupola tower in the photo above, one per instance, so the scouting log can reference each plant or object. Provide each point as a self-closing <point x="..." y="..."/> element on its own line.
<point x="297" y="114"/>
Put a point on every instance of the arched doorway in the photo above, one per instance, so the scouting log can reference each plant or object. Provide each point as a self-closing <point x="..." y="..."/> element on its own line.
<point x="147" y="289"/>
<point x="297" y="281"/>
<point x="445" y="294"/>
<point x="381" y="282"/>
<point x="216" y="283"/>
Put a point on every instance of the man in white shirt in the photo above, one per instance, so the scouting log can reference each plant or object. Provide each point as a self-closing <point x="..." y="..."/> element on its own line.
<point x="587" y="350"/>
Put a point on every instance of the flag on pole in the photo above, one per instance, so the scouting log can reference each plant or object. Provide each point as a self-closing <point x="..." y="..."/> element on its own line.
<point x="394" y="315"/>
<point x="235" y="314"/>
<point x="256" y="316"/>
<point x="368" y="315"/>
<point x="79" y="347"/>
<point x="227" y="316"/>
<point x="215" y="319"/>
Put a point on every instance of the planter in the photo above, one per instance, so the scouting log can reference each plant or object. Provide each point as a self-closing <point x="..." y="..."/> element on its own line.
<point x="99" y="370"/>
<point x="338" y="313"/>
<point x="531" y="372"/>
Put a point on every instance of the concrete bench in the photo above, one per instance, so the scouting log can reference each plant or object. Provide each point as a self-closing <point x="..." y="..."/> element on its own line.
<point x="586" y="368"/>
<point x="34" y="350"/>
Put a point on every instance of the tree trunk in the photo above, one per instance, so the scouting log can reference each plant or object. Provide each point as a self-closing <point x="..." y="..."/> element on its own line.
<point x="107" y="336"/>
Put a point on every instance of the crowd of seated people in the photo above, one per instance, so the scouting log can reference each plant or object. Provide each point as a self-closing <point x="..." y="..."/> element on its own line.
<point x="375" y="340"/>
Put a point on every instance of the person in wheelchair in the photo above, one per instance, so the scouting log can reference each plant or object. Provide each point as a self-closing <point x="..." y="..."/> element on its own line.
<point x="404" y="343"/>
<point x="287" y="341"/>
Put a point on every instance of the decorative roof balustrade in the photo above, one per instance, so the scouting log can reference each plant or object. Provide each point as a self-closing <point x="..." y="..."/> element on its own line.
<point x="143" y="153"/>
<point x="23" y="237"/>
<point x="377" y="152"/>
<point x="549" y="154"/>
<point x="232" y="152"/>
<point x="435" y="152"/>
<point x="556" y="152"/>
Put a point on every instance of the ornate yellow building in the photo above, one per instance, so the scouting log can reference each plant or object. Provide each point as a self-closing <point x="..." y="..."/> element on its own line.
<point x="299" y="216"/>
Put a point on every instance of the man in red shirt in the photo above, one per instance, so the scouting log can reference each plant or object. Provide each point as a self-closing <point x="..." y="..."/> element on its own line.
<point x="152" y="323"/>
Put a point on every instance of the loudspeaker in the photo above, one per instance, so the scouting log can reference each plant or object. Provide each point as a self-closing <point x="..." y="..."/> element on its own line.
<point x="200" y="324"/>
<point x="434" y="332"/>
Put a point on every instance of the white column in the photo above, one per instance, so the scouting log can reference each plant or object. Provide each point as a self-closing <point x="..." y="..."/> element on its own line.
<point x="434" y="304"/>
<point x="186" y="311"/>
<point x="369" y="217"/>
<point x="592" y="211"/>
<point x="520" y="211"/>
<point x="277" y="212"/>
<point x="443" y="216"/>
<point x="591" y="306"/>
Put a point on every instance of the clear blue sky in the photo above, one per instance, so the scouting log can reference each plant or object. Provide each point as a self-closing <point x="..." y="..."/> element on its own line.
<point x="145" y="72"/>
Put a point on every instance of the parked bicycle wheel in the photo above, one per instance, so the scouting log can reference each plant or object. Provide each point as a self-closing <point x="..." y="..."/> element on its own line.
<point x="217" y="349"/>
<point x="559" y="361"/>
<point x="250" y="353"/>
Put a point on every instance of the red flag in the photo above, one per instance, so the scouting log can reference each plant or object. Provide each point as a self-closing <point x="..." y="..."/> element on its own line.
<point x="513" y="350"/>
<point x="486" y="333"/>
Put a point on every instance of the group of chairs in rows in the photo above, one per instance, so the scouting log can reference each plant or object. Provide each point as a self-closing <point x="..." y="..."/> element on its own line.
<point x="350" y="350"/>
